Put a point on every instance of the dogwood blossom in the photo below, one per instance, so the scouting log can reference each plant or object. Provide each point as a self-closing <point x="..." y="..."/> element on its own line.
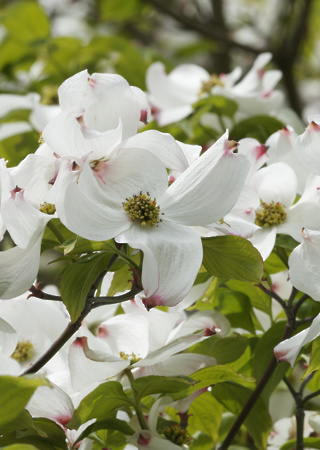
<point x="172" y="96"/>
<point x="105" y="98"/>
<point x="132" y="340"/>
<point x="204" y="193"/>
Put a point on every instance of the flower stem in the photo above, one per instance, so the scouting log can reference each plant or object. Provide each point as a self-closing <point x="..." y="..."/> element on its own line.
<point x="137" y="405"/>
<point x="99" y="301"/>
<point x="56" y="231"/>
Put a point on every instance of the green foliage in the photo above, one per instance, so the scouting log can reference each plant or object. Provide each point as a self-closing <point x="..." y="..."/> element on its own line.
<point x="309" y="442"/>
<point x="22" y="422"/>
<point x="232" y="257"/>
<point x="113" y="10"/>
<point x="257" y="127"/>
<point x="78" y="279"/>
<point x="258" y="422"/>
<point x="238" y="309"/>
<point x="27" y="22"/>
<point x="43" y="434"/>
<point x="15" y="148"/>
<point x="262" y="357"/>
<point x="205" y="416"/>
<point x="314" y="364"/>
<point x="155" y="384"/>
<point x="223" y="349"/>
<point x="102" y="403"/>
<point x="214" y="375"/>
<point x="19" y="447"/>
<point x="108" y="424"/>
<point x="216" y="104"/>
<point x="256" y="296"/>
<point x="14" y="395"/>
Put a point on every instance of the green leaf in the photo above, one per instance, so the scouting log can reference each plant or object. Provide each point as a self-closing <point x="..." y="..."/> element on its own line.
<point x="155" y="384"/>
<point x="263" y="355"/>
<point x="100" y="404"/>
<point x="258" y="127"/>
<point x="224" y="349"/>
<point x="15" y="393"/>
<point x="273" y="264"/>
<point x="214" y="375"/>
<point x="51" y="237"/>
<point x="22" y="422"/>
<point x="285" y="241"/>
<point x="232" y="257"/>
<point x="85" y="246"/>
<point x="314" y="363"/>
<point x="309" y="442"/>
<point x="258" y="422"/>
<point x="50" y="432"/>
<point x="205" y="415"/>
<point x="113" y="10"/>
<point x="201" y="442"/>
<point x="217" y="104"/>
<point x="122" y="278"/>
<point x="17" y="147"/>
<point x="78" y="279"/>
<point x="257" y="297"/>
<point x="108" y="424"/>
<point x="27" y="22"/>
<point x="238" y="310"/>
<point x="20" y="447"/>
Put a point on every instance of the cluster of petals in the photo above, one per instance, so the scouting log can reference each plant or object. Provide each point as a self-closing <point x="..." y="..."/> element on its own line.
<point x="172" y="96"/>
<point x="150" y="343"/>
<point x="203" y="193"/>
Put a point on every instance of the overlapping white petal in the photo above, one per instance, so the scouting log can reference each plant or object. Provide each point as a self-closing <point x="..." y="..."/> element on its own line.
<point x="19" y="268"/>
<point x="168" y="249"/>
<point x="209" y="188"/>
<point x="105" y="98"/>
<point x="51" y="402"/>
<point x="304" y="269"/>
<point x="289" y="349"/>
<point x="275" y="183"/>
<point x="308" y="145"/>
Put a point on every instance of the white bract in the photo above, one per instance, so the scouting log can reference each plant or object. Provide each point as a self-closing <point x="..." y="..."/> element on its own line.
<point x="172" y="96"/>
<point x="204" y="193"/>
<point x="105" y="98"/>
<point x="276" y="186"/>
<point x="148" y="343"/>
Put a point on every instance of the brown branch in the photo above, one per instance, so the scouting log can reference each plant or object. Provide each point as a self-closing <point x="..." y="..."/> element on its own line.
<point x="286" y="55"/>
<point x="202" y="28"/>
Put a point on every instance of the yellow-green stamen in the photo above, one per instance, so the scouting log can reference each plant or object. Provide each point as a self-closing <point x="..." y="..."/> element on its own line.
<point x="132" y="357"/>
<point x="142" y="208"/>
<point x="270" y="214"/>
<point x="177" y="435"/>
<point x="207" y="86"/>
<point x="23" y="351"/>
<point x="47" y="208"/>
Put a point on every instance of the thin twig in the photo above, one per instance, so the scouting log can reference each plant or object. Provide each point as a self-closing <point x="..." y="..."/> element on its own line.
<point x="255" y="394"/>
<point x="201" y="28"/>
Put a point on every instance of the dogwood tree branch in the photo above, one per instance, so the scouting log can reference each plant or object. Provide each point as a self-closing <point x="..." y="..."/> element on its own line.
<point x="206" y="30"/>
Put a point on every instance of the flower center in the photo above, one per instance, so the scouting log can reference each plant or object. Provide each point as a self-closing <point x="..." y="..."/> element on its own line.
<point x="132" y="357"/>
<point x="141" y="207"/>
<point x="23" y="351"/>
<point x="270" y="214"/>
<point x="47" y="208"/>
<point x="206" y="86"/>
<point x="177" y="435"/>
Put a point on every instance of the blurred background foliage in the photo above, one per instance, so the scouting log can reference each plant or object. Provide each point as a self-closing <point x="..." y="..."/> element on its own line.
<point x="46" y="41"/>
